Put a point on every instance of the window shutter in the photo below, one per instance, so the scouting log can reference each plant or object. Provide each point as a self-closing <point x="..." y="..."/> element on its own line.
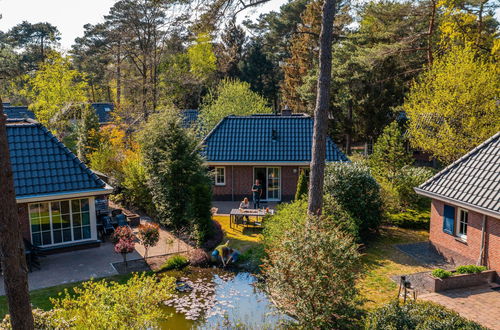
<point x="449" y="219"/>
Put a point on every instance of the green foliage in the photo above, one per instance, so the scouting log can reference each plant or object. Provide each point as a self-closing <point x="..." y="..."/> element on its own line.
<point x="357" y="193"/>
<point x="149" y="235"/>
<point x="109" y="305"/>
<point x="470" y="269"/>
<point x="408" y="178"/>
<point x="135" y="189"/>
<point x="42" y="320"/>
<point x="441" y="273"/>
<point x="175" y="262"/>
<point x="389" y="153"/>
<point x="302" y="186"/>
<point x="201" y="57"/>
<point x="311" y="274"/>
<point x="179" y="183"/>
<point x="87" y="132"/>
<point x="417" y="315"/>
<point x="453" y="106"/>
<point x="55" y="91"/>
<point x="410" y="218"/>
<point x="286" y="217"/>
<point x="231" y="97"/>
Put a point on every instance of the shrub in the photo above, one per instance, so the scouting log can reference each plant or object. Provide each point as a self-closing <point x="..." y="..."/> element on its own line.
<point x="198" y="258"/>
<point x="179" y="183"/>
<point x="357" y="193"/>
<point x="287" y="217"/>
<point x="174" y="262"/>
<point x="136" y="304"/>
<point x="302" y="186"/>
<point x="124" y="240"/>
<point x="135" y="190"/>
<point x="42" y="320"/>
<point x="149" y="235"/>
<point x="408" y="178"/>
<point x="215" y="238"/>
<point x="411" y="219"/>
<point x="441" y="273"/>
<point x="311" y="274"/>
<point x="417" y="315"/>
<point x="470" y="269"/>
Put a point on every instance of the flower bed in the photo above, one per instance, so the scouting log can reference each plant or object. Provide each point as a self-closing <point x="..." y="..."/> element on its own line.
<point x="448" y="280"/>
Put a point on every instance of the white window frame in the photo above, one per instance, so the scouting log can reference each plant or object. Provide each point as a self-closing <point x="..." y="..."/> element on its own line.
<point x="217" y="182"/>
<point x="92" y="221"/>
<point x="460" y="221"/>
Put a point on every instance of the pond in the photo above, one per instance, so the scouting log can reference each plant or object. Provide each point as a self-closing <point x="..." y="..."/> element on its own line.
<point x="219" y="297"/>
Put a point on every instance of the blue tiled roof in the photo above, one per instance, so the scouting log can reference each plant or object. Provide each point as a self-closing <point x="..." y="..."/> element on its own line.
<point x="18" y="112"/>
<point x="265" y="138"/>
<point x="104" y="111"/>
<point x="189" y="117"/>
<point x="43" y="165"/>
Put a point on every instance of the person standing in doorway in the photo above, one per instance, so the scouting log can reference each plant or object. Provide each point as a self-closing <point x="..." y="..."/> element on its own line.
<point x="257" y="194"/>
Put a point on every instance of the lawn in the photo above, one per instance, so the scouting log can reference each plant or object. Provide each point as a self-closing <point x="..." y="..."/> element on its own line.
<point x="382" y="259"/>
<point x="239" y="238"/>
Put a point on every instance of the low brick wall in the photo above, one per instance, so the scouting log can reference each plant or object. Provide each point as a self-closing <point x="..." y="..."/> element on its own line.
<point x="459" y="281"/>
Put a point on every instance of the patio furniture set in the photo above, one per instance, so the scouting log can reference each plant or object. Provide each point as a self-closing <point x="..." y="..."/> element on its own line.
<point x="248" y="217"/>
<point x="108" y="221"/>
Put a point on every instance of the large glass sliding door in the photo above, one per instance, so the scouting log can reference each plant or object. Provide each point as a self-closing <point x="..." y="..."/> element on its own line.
<point x="60" y="221"/>
<point x="270" y="179"/>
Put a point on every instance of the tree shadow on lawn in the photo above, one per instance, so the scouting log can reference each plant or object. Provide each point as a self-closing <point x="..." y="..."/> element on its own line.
<point x="240" y="237"/>
<point x="382" y="259"/>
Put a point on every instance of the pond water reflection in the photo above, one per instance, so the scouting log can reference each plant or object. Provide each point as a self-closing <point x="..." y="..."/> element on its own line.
<point x="219" y="297"/>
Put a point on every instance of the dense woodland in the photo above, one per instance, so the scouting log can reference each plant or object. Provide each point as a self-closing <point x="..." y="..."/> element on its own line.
<point x="149" y="55"/>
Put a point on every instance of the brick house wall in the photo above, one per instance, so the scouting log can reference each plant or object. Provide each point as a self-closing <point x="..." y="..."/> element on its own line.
<point x="468" y="252"/>
<point x="239" y="181"/>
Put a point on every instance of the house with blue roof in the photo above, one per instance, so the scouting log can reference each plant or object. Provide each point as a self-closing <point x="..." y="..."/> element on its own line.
<point x="465" y="207"/>
<point x="55" y="191"/>
<point x="103" y="111"/>
<point x="271" y="148"/>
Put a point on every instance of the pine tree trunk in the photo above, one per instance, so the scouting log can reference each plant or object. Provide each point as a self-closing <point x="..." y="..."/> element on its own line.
<point x="11" y="244"/>
<point x="321" y="110"/>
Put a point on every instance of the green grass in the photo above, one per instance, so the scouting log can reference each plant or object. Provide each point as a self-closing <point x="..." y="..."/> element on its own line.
<point x="41" y="298"/>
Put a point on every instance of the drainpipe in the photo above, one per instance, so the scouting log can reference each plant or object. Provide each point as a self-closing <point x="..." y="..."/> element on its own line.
<point x="483" y="234"/>
<point x="232" y="183"/>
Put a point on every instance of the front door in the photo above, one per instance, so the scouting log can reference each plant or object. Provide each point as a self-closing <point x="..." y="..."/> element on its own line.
<point x="270" y="179"/>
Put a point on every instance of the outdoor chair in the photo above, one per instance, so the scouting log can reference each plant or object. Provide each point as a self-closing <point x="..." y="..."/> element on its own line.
<point x="33" y="253"/>
<point x="121" y="219"/>
<point x="105" y="227"/>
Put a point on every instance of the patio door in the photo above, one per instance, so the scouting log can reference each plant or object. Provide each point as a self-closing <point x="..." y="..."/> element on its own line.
<point x="273" y="184"/>
<point x="270" y="179"/>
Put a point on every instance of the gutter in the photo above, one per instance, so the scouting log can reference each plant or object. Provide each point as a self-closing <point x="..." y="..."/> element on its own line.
<point x="65" y="195"/>
<point x="457" y="202"/>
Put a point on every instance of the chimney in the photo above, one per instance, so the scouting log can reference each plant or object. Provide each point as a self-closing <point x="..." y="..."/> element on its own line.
<point x="286" y="111"/>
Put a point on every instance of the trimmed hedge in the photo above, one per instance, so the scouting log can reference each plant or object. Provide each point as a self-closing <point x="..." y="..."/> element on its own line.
<point x="441" y="273"/>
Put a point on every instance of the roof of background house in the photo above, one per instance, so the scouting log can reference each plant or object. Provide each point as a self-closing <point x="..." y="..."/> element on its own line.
<point x="18" y="112"/>
<point x="265" y="138"/>
<point x="473" y="180"/>
<point x="189" y="117"/>
<point x="6" y="104"/>
<point x="42" y="165"/>
<point x="103" y="111"/>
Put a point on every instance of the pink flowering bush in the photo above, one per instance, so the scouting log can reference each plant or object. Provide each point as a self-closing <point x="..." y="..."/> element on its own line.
<point x="124" y="240"/>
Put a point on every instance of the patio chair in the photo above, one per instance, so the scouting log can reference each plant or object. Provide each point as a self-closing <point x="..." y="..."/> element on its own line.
<point x="33" y="253"/>
<point x="105" y="227"/>
<point x="121" y="219"/>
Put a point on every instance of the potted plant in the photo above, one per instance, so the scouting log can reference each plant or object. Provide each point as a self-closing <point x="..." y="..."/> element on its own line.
<point x="124" y="240"/>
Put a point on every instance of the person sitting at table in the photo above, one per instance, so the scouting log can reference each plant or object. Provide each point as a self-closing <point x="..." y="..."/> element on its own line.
<point x="244" y="205"/>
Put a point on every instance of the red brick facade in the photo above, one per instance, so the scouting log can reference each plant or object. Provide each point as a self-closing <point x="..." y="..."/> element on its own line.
<point x="239" y="180"/>
<point x="466" y="252"/>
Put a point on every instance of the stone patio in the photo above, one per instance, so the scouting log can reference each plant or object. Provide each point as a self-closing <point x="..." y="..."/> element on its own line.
<point x="480" y="304"/>
<point x="97" y="262"/>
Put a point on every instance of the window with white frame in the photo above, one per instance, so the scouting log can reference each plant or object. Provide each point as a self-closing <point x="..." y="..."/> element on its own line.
<point x="463" y="218"/>
<point x="220" y="176"/>
<point x="59" y="221"/>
